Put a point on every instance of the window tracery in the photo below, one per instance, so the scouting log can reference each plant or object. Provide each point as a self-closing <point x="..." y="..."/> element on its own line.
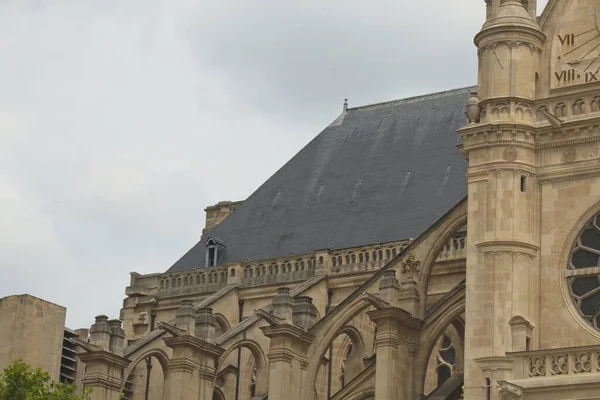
<point x="583" y="272"/>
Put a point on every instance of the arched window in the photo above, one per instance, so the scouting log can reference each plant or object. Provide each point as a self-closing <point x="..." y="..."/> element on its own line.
<point x="388" y="254"/>
<point x="321" y="260"/>
<point x="361" y="257"/>
<point x="334" y="261"/>
<point x="232" y="272"/>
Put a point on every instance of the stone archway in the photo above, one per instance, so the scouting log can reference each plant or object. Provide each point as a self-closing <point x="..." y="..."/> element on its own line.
<point x="327" y="330"/>
<point x="218" y="395"/>
<point x="222" y="324"/>
<point x="262" y="366"/>
<point x="365" y="394"/>
<point x="455" y="221"/>
<point x="163" y="360"/>
<point x="348" y="355"/>
<point x="434" y="327"/>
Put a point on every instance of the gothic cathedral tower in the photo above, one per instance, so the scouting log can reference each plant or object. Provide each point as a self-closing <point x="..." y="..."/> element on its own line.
<point x="532" y="143"/>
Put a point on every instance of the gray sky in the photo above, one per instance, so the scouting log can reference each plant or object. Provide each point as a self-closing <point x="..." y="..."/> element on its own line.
<point x="121" y="120"/>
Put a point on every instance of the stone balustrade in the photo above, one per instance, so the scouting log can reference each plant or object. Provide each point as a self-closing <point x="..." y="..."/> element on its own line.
<point x="283" y="270"/>
<point x="559" y="362"/>
<point x="455" y="249"/>
<point x="367" y="258"/>
<point x="279" y="272"/>
<point x="193" y="281"/>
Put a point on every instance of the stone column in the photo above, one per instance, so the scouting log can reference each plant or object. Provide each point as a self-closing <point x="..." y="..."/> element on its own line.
<point x="103" y="357"/>
<point x="395" y="343"/>
<point x="287" y="360"/>
<point x="193" y="365"/>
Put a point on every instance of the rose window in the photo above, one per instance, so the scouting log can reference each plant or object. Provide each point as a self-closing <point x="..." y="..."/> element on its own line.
<point x="583" y="272"/>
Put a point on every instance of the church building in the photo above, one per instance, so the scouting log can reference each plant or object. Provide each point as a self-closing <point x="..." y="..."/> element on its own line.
<point x="445" y="246"/>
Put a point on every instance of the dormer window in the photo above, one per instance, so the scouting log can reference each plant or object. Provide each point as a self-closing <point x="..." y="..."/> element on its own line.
<point x="214" y="249"/>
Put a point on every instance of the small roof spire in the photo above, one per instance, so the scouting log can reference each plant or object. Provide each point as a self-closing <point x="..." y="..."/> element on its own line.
<point x="345" y="105"/>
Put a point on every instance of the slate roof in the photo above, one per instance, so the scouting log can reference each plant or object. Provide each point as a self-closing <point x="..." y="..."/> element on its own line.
<point x="383" y="172"/>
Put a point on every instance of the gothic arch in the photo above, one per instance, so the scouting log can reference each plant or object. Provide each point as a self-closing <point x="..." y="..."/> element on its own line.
<point x="163" y="360"/>
<point x="433" y="328"/>
<point x="218" y="394"/>
<point x="254" y="347"/>
<point x="365" y="394"/>
<point x="222" y="323"/>
<point x="454" y="222"/>
<point x="355" y="337"/>
<point x="262" y="365"/>
<point x="328" y="330"/>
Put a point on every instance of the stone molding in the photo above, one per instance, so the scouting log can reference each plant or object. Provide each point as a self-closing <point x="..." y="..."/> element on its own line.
<point x="510" y="246"/>
<point x="197" y="344"/>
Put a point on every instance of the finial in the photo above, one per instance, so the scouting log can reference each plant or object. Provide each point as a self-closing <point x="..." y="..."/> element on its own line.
<point x="345" y="105"/>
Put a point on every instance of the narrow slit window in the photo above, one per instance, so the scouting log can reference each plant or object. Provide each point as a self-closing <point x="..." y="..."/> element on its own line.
<point x="488" y="388"/>
<point x="523" y="183"/>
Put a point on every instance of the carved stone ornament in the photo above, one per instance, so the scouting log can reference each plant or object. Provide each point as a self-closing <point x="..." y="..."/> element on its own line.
<point x="510" y="154"/>
<point x="410" y="266"/>
<point x="473" y="109"/>
<point x="569" y="155"/>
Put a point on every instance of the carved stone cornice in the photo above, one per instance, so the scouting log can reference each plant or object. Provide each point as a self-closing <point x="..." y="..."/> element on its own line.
<point x="286" y="355"/>
<point x="103" y="356"/>
<point x="99" y="380"/>
<point x="401" y="327"/>
<point x="497" y="363"/>
<point x="511" y="246"/>
<point x="183" y="365"/>
<point x="574" y="171"/>
<point x="289" y="330"/>
<point x="197" y="344"/>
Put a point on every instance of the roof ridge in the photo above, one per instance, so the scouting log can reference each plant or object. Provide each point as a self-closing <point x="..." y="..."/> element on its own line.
<point x="413" y="99"/>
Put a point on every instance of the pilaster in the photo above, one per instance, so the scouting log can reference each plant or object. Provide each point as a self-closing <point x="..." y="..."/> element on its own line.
<point x="192" y="367"/>
<point x="396" y="342"/>
<point x="287" y="360"/>
<point x="103" y="357"/>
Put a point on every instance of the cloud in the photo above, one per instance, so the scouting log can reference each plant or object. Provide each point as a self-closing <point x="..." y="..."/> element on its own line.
<point x="121" y="120"/>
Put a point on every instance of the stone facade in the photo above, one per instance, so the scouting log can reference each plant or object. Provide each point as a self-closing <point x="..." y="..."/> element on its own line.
<point x="507" y="308"/>
<point x="31" y="330"/>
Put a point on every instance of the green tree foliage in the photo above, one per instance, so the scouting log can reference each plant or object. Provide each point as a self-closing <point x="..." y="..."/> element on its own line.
<point x="21" y="382"/>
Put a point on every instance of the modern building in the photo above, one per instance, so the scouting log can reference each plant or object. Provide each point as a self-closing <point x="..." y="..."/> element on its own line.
<point x="33" y="330"/>
<point x="444" y="246"/>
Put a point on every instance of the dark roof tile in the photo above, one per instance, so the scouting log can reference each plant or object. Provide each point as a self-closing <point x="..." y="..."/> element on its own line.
<point x="383" y="172"/>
